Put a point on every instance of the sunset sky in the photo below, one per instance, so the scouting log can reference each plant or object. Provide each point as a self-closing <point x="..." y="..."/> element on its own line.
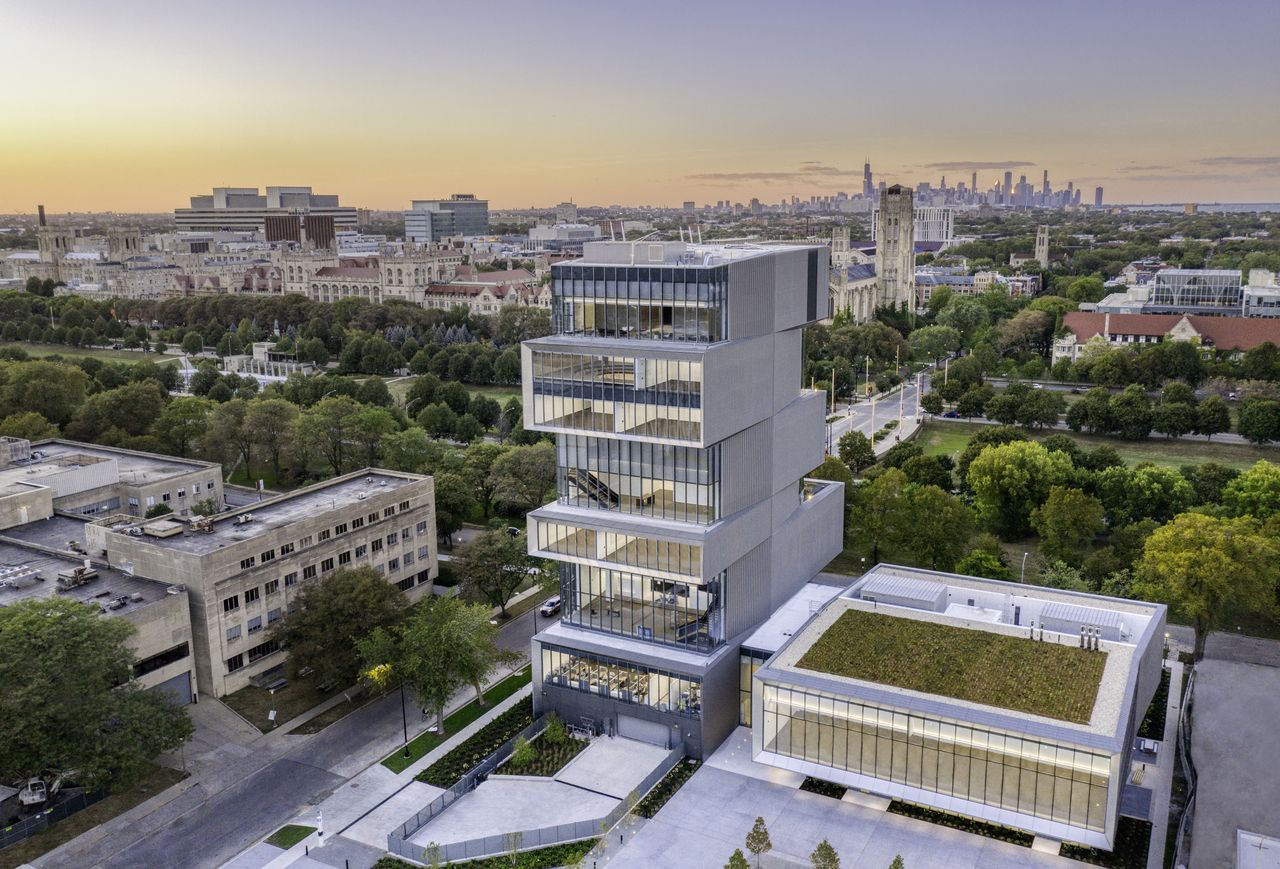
<point x="138" y="105"/>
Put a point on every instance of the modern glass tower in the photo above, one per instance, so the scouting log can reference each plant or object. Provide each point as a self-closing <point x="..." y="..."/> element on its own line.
<point x="682" y="519"/>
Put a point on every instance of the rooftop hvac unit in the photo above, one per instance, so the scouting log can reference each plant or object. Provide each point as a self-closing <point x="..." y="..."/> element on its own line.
<point x="136" y="597"/>
<point x="174" y="589"/>
<point x="244" y="519"/>
<point x="360" y="496"/>
<point x="75" y="578"/>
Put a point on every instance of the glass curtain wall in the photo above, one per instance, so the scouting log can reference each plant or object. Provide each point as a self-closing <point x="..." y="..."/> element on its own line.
<point x="645" y="607"/>
<point x="623" y="681"/>
<point x="748" y="662"/>
<point x="618" y="394"/>
<point x="646" y="553"/>
<point x="667" y="482"/>
<point x="996" y="768"/>
<point x="640" y="302"/>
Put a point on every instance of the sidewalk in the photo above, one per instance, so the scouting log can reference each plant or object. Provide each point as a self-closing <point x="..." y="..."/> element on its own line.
<point x="356" y="818"/>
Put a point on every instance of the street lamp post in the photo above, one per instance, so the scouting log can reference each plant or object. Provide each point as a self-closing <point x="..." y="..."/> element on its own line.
<point x="1023" y="579"/>
<point x="404" y="718"/>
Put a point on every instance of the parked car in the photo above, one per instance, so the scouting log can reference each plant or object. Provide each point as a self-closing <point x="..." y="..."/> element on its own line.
<point x="550" y="607"/>
<point x="951" y="414"/>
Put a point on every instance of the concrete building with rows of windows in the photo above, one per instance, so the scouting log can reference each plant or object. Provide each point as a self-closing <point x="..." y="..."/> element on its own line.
<point x="683" y="519"/>
<point x="243" y="570"/>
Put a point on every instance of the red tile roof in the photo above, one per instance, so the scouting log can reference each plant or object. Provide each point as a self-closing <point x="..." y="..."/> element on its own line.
<point x="1222" y="333"/>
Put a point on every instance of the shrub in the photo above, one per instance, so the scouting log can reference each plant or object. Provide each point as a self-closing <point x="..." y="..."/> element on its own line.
<point x="522" y="752"/>
<point x="556" y="733"/>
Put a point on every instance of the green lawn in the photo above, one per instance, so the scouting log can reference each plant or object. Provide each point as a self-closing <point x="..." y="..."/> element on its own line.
<point x="978" y="666"/>
<point x="426" y="742"/>
<point x="157" y="779"/>
<point x="399" y="388"/>
<point x="254" y="704"/>
<point x="40" y="350"/>
<point x="939" y="437"/>
<point x="289" y="835"/>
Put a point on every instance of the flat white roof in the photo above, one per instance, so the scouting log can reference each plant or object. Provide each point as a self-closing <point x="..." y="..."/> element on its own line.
<point x="790" y="617"/>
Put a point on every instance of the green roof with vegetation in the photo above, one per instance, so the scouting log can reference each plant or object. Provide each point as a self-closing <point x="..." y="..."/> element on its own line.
<point x="1018" y="673"/>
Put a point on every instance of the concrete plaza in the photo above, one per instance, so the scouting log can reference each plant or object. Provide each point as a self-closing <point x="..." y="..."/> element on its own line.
<point x="710" y="816"/>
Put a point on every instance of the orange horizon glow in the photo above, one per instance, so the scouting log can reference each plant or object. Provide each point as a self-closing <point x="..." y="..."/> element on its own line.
<point x="136" y="107"/>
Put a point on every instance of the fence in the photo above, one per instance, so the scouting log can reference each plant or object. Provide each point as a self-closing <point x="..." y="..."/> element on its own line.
<point x="522" y="840"/>
<point x="28" y="827"/>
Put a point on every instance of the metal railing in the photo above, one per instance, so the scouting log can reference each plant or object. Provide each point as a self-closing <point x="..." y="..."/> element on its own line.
<point x="517" y="840"/>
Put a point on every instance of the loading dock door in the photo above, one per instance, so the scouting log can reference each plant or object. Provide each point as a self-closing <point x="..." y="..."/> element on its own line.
<point x="653" y="732"/>
<point x="178" y="688"/>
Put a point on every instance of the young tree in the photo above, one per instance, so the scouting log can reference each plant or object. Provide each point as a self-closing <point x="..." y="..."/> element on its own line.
<point x="1204" y="568"/>
<point x="879" y="514"/>
<point x="834" y="470"/>
<point x="1212" y="417"/>
<point x="192" y="343"/>
<point x="183" y="423"/>
<point x="493" y="566"/>
<point x="229" y="435"/>
<point x="979" y="562"/>
<point x="272" y="425"/>
<point x="856" y="451"/>
<point x="758" y="841"/>
<point x="371" y="426"/>
<point x="1254" y="493"/>
<point x="737" y="860"/>
<point x="1067" y="522"/>
<point x="438" y="419"/>
<point x="939" y="526"/>
<point x="332" y="615"/>
<point x="455" y="502"/>
<point x="28" y="425"/>
<point x="329" y="428"/>
<point x="521" y="478"/>
<point x="157" y="510"/>
<point x="1259" y="420"/>
<point x="824" y="856"/>
<point x="897" y="863"/>
<point x="68" y="701"/>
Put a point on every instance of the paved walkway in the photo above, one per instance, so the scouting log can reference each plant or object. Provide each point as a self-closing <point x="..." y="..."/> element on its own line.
<point x="359" y="813"/>
<point x="1159" y="779"/>
<point x="711" y="814"/>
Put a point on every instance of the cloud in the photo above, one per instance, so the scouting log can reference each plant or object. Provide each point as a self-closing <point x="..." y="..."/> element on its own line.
<point x="1246" y="162"/>
<point x="975" y="165"/>
<point x="807" y="171"/>
<point x="1155" y="167"/>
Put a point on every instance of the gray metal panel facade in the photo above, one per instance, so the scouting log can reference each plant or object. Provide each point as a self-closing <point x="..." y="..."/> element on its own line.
<point x="751" y="297"/>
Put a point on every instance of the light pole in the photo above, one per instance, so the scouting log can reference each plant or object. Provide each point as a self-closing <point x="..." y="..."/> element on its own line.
<point x="1023" y="579"/>
<point x="404" y="718"/>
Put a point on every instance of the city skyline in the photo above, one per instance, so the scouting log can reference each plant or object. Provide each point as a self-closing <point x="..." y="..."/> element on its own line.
<point x="140" y="109"/>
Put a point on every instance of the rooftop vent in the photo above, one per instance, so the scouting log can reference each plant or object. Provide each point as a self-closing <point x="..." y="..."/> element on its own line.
<point x="244" y="519"/>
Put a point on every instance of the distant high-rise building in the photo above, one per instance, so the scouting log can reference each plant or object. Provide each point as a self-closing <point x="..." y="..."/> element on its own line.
<point x="689" y="206"/>
<point x="895" y="247"/>
<point x="1097" y="197"/>
<point x="1044" y="185"/>
<point x="973" y="182"/>
<point x="867" y="188"/>
<point x="566" y="212"/>
<point x="430" y="220"/>
<point x="1042" y="246"/>
<point x="1007" y="191"/>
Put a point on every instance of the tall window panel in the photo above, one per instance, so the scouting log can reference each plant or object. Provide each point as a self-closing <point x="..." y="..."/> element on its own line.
<point x="664" y="481"/>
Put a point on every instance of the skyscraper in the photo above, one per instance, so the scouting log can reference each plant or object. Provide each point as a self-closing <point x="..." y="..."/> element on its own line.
<point x="1007" y="191"/>
<point x="895" y="248"/>
<point x="1097" y="197"/>
<point x="973" y="185"/>
<point x="671" y="383"/>
<point x="867" y="188"/>
<point x="1044" y="185"/>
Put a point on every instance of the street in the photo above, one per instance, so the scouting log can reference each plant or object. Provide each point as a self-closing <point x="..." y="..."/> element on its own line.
<point x="250" y="790"/>
<point x="870" y="415"/>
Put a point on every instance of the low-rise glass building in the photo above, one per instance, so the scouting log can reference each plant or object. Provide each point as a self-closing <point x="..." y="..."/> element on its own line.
<point x="1012" y="704"/>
